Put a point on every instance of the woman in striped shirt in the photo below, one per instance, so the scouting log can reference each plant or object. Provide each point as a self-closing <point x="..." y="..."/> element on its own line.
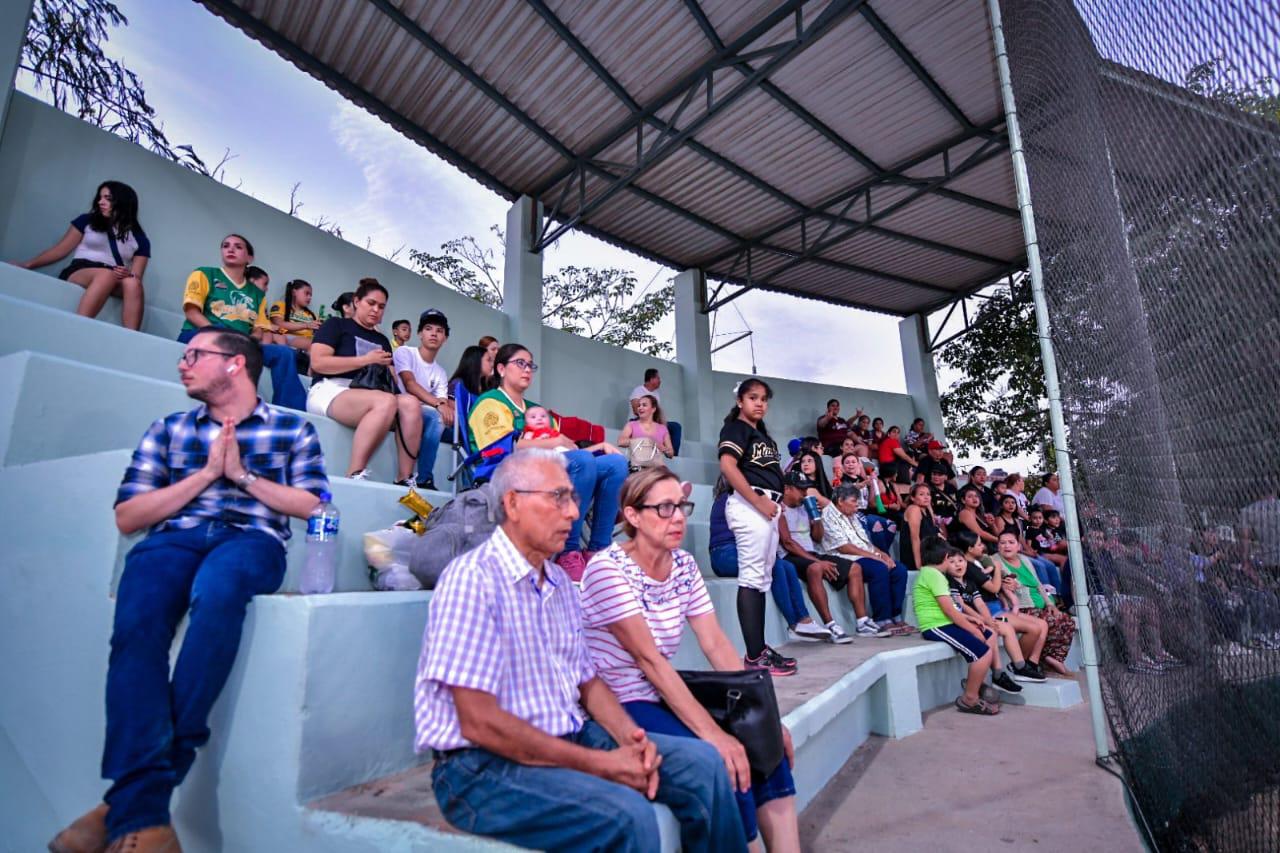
<point x="636" y="597"/>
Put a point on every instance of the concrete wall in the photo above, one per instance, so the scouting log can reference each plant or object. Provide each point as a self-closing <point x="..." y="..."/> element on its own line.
<point x="796" y="405"/>
<point x="50" y="164"/>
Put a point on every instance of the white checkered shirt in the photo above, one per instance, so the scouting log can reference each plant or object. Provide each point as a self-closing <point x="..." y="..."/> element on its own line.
<point x="492" y="629"/>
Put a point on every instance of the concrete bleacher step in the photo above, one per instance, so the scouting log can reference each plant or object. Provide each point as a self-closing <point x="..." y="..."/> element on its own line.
<point x="59" y="407"/>
<point x="321" y="695"/>
<point x="66" y="485"/>
<point x="44" y="288"/>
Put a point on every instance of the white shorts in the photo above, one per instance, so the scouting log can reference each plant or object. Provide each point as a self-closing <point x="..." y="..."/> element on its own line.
<point x="322" y="393"/>
<point x="756" y="538"/>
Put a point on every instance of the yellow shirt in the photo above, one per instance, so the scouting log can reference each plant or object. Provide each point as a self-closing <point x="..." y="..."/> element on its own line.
<point x="299" y="315"/>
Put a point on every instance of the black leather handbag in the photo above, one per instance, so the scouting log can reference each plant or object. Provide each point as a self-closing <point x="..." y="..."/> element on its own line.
<point x="744" y="705"/>
<point x="374" y="377"/>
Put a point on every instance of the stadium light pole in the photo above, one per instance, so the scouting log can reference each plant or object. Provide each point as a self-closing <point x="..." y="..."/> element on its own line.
<point x="1075" y="553"/>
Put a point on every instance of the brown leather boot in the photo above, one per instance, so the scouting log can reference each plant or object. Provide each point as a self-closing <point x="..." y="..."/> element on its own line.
<point x="153" y="839"/>
<point x="86" y="834"/>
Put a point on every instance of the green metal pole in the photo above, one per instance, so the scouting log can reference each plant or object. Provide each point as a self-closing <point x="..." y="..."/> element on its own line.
<point x="1075" y="553"/>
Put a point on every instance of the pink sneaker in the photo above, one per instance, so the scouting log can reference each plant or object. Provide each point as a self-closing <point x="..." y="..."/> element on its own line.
<point x="573" y="563"/>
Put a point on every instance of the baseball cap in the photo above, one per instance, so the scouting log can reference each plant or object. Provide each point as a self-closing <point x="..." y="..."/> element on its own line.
<point x="799" y="480"/>
<point x="793" y="446"/>
<point x="936" y="445"/>
<point x="435" y="317"/>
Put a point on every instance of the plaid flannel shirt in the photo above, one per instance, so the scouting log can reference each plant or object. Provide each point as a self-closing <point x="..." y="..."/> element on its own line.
<point x="275" y="444"/>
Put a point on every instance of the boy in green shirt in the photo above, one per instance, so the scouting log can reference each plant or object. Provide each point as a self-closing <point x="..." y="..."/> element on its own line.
<point x="941" y="621"/>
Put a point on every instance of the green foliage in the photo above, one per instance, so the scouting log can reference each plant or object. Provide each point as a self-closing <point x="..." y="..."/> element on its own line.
<point x="63" y="54"/>
<point x="1213" y="79"/>
<point x="997" y="409"/>
<point x="601" y="304"/>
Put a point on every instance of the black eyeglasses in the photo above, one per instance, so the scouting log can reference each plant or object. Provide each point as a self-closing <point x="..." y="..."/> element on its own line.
<point x="562" y="496"/>
<point x="668" y="509"/>
<point x="524" y="365"/>
<point x="191" y="356"/>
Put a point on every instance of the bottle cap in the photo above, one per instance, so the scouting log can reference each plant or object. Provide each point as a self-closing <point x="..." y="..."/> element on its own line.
<point x="325" y="497"/>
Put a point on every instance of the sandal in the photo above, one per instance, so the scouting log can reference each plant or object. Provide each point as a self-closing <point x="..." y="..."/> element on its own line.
<point x="980" y="708"/>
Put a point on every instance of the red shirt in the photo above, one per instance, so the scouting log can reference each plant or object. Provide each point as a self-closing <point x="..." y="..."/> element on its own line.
<point x="887" y="446"/>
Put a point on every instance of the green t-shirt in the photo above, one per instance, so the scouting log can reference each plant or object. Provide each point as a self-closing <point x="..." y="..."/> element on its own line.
<point x="223" y="302"/>
<point x="1027" y="576"/>
<point x="931" y="584"/>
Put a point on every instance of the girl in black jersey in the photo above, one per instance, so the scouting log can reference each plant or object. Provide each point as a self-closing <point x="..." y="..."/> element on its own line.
<point x="751" y="465"/>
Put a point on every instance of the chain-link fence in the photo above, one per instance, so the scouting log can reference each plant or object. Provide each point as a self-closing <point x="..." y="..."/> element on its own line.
<point x="1153" y="150"/>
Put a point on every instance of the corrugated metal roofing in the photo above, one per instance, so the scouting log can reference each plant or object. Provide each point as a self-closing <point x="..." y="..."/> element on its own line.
<point x="845" y="150"/>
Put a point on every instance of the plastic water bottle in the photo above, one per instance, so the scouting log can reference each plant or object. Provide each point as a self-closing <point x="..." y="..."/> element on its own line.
<point x="320" y="571"/>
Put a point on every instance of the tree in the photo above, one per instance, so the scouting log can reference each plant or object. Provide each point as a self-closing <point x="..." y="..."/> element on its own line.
<point x="63" y="54"/>
<point x="601" y="304"/>
<point x="997" y="409"/>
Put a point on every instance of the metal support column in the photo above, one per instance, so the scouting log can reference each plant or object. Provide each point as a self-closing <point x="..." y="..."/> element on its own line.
<point x="1079" y="583"/>
<point x="522" y="281"/>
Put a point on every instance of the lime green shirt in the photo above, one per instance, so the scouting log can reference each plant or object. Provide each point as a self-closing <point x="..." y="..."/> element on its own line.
<point x="1027" y="576"/>
<point x="930" y="585"/>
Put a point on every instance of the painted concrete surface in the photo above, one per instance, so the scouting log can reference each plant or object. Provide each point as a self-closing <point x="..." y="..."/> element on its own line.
<point x="51" y="162"/>
<point x="1024" y="780"/>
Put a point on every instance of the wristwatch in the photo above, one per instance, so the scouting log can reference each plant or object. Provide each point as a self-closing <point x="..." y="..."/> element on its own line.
<point x="247" y="479"/>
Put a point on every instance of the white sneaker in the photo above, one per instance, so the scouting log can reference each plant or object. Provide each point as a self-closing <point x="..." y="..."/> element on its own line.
<point x="362" y="474"/>
<point x="838" y="636"/>
<point x="868" y="628"/>
<point x="810" y="632"/>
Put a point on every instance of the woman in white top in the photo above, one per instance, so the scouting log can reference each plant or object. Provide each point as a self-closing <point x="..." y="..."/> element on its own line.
<point x="637" y="596"/>
<point x="111" y="253"/>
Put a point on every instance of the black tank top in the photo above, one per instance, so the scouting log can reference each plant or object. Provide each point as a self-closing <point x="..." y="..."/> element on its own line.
<point x="928" y="530"/>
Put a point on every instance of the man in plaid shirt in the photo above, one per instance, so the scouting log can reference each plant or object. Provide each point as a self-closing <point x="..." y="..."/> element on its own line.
<point x="215" y="488"/>
<point x="530" y="746"/>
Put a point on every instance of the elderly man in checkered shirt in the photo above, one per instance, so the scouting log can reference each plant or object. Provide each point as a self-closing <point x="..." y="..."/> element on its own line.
<point x="530" y="745"/>
<point x="215" y="488"/>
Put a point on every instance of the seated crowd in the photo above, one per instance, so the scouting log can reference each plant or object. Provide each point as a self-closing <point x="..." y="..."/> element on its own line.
<point x="563" y="748"/>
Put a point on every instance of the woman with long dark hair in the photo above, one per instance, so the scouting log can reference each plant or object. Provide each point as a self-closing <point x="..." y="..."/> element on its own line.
<point x="597" y="479"/>
<point x="111" y="253"/>
<point x="751" y="466"/>
<point x="342" y="349"/>
<point x="921" y="525"/>
<point x="475" y="368"/>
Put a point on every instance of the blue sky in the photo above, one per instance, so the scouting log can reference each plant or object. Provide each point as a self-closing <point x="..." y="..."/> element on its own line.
<point x="285" y="127"/>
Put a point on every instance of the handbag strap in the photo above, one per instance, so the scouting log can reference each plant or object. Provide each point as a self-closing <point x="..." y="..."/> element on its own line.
<point x="115" y="250"/>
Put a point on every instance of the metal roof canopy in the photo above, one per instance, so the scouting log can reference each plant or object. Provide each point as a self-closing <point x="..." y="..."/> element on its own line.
<point x="842" y="150"/>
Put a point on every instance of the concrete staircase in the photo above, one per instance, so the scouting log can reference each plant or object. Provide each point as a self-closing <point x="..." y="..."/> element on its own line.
<point x="320" y="698"/>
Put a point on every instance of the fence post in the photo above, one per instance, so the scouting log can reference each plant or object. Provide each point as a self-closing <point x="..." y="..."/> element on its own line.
<point x="1079" y="583"/>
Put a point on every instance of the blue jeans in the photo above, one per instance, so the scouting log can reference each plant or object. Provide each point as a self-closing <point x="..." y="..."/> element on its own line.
<point x="553" y="808"/>
<point x="788" y="592"/>
<point x="598" y="482"/>
<point x="154" y="722"/>
<point x="432" y="429"/>
<point x="886" y="588"/>
<point x="653" y="717"/>
<point x="882" y="538"/>
<point x="1047" y="572"/>
<point x="282" y="362"/>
